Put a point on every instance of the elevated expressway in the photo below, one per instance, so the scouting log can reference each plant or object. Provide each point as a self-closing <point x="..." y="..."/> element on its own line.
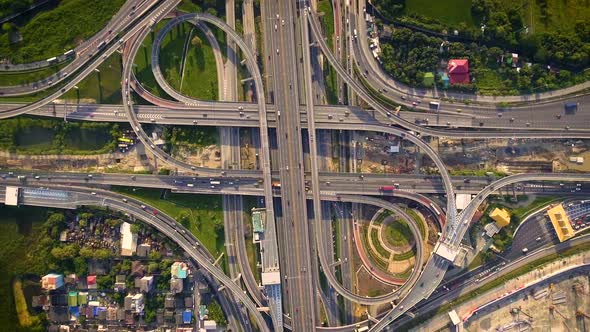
<point x="160" y="221"/>
<point x="91" y="64"/>
<point x="129" y="14"/>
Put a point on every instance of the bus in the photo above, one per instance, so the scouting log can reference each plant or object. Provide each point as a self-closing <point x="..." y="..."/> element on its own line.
<point x="386" y="188"/>
<point x="70" y="53"/>
<point x="434" y="105"/>
<point x="435" y="209"/>
<point x="125" y="140"/>
<point x="52" y="60"/>
<point x="215" y="182"/>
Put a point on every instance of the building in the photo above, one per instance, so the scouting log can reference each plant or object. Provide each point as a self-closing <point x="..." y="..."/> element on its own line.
<point x="73" y="299"/>
<point x="137" y="304"/>
<point x="179" y="270"/>
<point x="458" y="70"/>
<point x="176" y="285"/>
<point x="11" y="196"/>
<point x="560" y="222"/>
<point x="501" y="217"/>
<point x="428" y="79"/>
<point x="143" y="250"/>
<point x="91" y="282"/>
<point x="209" y="325"/>
<point x="187" y="317"/>
<point x="120" y="284"/>
<point x="146" y="284"/>
<point x="128" y="240"/>
<point x="52" y="281"/>
<point x="257" y="224"/>
<point x="462" y="200"/>
<point x="82" y="298"/>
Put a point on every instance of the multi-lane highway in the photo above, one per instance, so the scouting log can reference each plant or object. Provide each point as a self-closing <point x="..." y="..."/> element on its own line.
<point x="286" y="30"/>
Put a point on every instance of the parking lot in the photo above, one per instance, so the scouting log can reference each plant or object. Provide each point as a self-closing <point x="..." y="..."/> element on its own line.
<point x="578" y="213"/>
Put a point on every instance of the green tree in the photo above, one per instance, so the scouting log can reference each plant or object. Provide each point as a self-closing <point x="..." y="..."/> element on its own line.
<point x="197" y="41"/>
<point x="216" y="314"/>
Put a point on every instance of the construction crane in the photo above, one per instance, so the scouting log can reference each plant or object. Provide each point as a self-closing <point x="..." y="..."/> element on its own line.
<point x="524" y="313"/>
<point x="552" y="308"/>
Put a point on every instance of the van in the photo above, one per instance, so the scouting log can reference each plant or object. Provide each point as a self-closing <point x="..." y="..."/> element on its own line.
<point x="190" y="185"/>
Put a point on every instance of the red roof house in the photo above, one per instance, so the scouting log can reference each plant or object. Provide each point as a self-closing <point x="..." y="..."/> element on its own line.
<point x="91" y="282"/>
<point x="458" y="71"/>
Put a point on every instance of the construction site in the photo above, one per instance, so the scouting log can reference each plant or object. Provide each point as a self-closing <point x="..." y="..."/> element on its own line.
<point x="558" y="306"/>
<point x="514" y="155"/>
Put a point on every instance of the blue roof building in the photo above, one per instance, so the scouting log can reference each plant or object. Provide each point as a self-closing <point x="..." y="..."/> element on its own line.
<point x="187" y="317"/>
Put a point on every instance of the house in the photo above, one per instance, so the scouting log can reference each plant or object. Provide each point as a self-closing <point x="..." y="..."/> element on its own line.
<point x="458" y="70"/>
<point x="137" y="269"/>
<point x="188" y="302"/>
<point x="143" y="250"/>
<point x="179" y="270"/>
<point x="187" y="316"/>
<point x="428" y="79"/>
<point x="120" y="284"/>
<point x="58" y="300"/>
<point x="169" y="301"/>
<point x="82" y="298"/>
<point x="501" y="217"/>
<point x="203" y="312"/>
<point x="137" y="304"/>
<point x="111" y="313"/>
<point x="146" y="284"/>
<point x="70" y="279"/>
<point x="52" y="281"/>
<point x="209" y="325"/>
<point x="91" y="282"/>
<point x="58" y="314"/>
<point x="127" y="302"/>
<point x="176" y="285"/>
<point x="128" y="240"/>
<point x="73" y="299"/>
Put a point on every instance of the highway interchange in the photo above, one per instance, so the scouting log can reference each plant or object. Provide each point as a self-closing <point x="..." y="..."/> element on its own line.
<point x="291" y="28"/>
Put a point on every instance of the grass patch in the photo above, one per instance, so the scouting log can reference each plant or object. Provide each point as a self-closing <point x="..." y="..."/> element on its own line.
<point x="200" y="73"/>
<point x="418" y="222"/>
<point x="249" y="203"/>
<point x="24" y="318"/>
<point x="29" y="135"/>
<point x="403" y="256"/>
<point x="372" y="255"/>
<point x="327" y="18"/>
<point x="12" y="78"/>
<point x="201" y="214"/>
<point x="103" y="87"/>
<point x="398" y="234"/>
<point x="451" y="12"/>
<point x="539" y="202"/>
<point x="55" y="31"/>
<point x="143" y="63"/>
<point x="477" y="261"/>
<point x="375" y="240"/>
<point x="556" y="15"/>
<point x="490" y="82"/>
<point x="19" y="228"/>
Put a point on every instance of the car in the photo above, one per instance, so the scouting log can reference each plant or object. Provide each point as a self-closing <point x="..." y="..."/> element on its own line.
<point x="37" y="177"/>
<point x="277" y="51"/>
<point x="155" y="212"/>
<point x="414" y="104"/>
<point x="133" y="177"/>
<point x="282" y="22"/>
<point x="142" y="206"/>
<point x="93" y="193"/>
<point x="125" y="200"/>
<point x="525" y="250"/>
<point x="276" y="27"/>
